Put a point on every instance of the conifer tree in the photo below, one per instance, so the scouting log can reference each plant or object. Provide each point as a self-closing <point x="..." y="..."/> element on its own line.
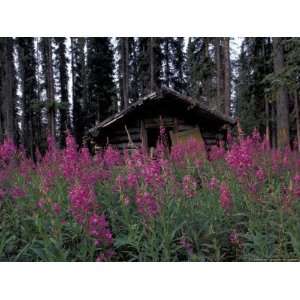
<point x="173" y="63"/>
<point x="251" y="87"/>
<point x="46" y="46"/>
<point x="200" y="70"/>
<point x="30" y="106"/>
<point x="8" y="126"/>
<point x="62" y="70"/>
<point x="282" y="100"/>
<point x="150" y="57"/>
<point x="79" y="87"/>
<point x="101" y="86"/>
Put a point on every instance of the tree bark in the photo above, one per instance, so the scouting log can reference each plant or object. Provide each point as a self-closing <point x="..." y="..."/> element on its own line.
<point x="152" y="67"/>
<point x="283" y="137"/>
<point x="49" y="80"/>
<point x="227" y="77"/>
<point x="297" y="119"/>
<point x="8" y="90"/>
<point x="125" y="71"/>
<point x="218" y="74"/>
<point x="267" y="112"/>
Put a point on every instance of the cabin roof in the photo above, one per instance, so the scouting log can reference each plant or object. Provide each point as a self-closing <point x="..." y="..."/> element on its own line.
<point x="160" y="95"/>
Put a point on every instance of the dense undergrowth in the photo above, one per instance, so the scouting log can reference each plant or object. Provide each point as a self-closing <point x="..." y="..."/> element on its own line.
<point x="238" y="205"/>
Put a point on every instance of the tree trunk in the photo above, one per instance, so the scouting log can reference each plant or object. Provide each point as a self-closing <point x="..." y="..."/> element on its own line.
<point x="61" y="61"/>
<point x="152" y="62"/>
<point x="273" y="125"/>
<point x="125" y="71"/>
<point x="267" y="112"/>
<point x="49" y="80"/>
<point x="297" y="119"/>
<point x="227" y="77"/>
<point x="207" y="78"/>
<point x="283" y="138"/>
<point x="8" y="90"/>
<point x="218" y="74"/>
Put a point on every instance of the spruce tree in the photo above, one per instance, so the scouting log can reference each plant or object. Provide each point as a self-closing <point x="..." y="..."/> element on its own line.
<point x="134" y="92"/>
<point x="8" y="127"/>
<point x="200" y="70"/>
<point x="30" y="106"/>
<point x="150" y="59"/>
<point x="101" y="86"/>
<point x="79" y="87"/>
<point x="46" y="47"/>
<point x="178" y="60"/>
<point x="61" y="61"/>
<point x="252" y="87"/>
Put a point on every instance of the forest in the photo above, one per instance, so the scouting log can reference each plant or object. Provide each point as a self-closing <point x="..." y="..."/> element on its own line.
<point x="239" y="201"/>
<point x="51" y="85"/>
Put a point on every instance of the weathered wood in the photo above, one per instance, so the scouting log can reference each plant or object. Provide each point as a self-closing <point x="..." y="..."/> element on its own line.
<point x="132" y="130"/>
<point x="210" y="142"/>
<point x="184" y="127"/>
<point x="181" y="137"/>
<point x="155" y="123"/>
<point x="143" y="135"/>
<point x="124" y="138"/>
<point x="170" y="110"/>
<point x="122" y="146"/>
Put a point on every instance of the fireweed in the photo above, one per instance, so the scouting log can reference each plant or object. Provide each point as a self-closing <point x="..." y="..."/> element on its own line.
<point x="241" y="203"/>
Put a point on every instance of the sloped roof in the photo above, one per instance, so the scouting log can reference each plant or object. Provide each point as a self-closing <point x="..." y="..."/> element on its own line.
<point x="160" y="95"/>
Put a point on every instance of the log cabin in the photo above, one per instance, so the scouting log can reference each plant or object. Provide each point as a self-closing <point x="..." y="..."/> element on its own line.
<point x="180" y="115"/>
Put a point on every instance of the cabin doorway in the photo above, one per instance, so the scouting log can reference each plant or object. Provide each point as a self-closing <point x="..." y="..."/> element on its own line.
<point x="153" y="137"/>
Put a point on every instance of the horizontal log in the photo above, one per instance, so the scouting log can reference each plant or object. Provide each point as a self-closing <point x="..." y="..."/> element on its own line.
<point x="155" y="123"/>
<point x="124" y="138"/>
<point x="123" y="146"/>
<point x="132" y="130"/>
<point x="185" y="127"/>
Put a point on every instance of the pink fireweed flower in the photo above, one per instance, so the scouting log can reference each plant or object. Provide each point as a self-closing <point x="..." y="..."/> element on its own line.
<point x="111" y="157"/>
<point x="132" y="180"/>
<point x="120" y="183"/>
<point x="286" y="155"/>
<point x="17" y="193"/>
<point x="146" y="204"/>
<point x="213" y="183"/>
<point x="186" y="245"/>
<point x="234" y="238"/>
<point x="126" y="200"/>
<point x="85" y="157"/>
<point x="296" y="185"/>
<point x="190" y="150"/>
<point x="82" y="200"/>
<point x="189" y="185"/>
<point x="229" y="138"/>
<point x="162" y="131"/>
<point x="41" y="203"/>
<point x="151" y="174"/>
<point x="98" y="228"/>
<point x="106" y="255"/>
<point x="240" y="157"/>
<point x="70" y="158"/>
<point x="255" y="136"/>
<point x="225" y="197"/>
<point x="216" y="153"/>
<point x="56" y="208"/>
<point x="260" y="174"/>
<point x="7" y="150"/>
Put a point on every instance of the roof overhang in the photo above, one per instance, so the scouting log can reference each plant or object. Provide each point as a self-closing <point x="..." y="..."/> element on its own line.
<point x="160" y="95"/>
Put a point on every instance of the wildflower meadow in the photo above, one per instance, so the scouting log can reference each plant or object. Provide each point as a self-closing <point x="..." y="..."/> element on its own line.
<point x="238" y="204"/>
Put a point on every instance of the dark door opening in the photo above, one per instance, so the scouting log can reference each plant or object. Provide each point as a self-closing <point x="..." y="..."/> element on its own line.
<point x="153" y="137"/>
